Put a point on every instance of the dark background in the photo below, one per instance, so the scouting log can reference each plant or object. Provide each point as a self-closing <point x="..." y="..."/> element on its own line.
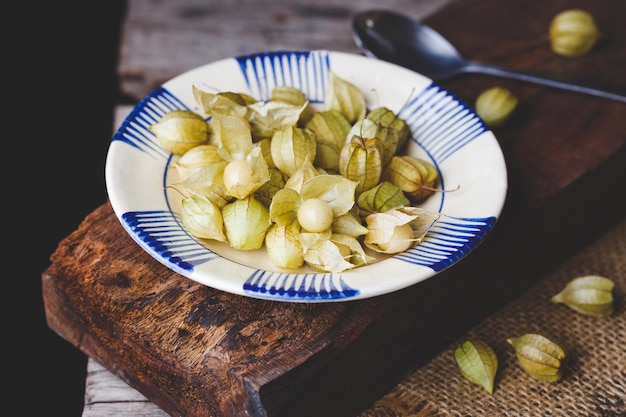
<point x="59" y="69"/>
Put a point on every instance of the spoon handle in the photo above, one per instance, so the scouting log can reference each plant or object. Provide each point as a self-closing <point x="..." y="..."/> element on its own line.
<point x="476" y="67"/>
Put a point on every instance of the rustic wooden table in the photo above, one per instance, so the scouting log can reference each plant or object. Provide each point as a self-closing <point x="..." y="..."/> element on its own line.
<point x="161" y="40"/>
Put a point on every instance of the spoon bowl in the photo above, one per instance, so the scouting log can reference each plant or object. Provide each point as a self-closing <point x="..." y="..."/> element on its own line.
<point x="404" y="41"/>
<point x="401" y="40"/>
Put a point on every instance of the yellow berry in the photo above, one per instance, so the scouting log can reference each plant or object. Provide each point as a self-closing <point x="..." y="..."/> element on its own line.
<point x="315" y="215"/>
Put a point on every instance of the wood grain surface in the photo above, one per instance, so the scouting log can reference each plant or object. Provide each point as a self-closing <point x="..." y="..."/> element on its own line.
<point x="196" y="351"/>
<point x="163" y="39"/>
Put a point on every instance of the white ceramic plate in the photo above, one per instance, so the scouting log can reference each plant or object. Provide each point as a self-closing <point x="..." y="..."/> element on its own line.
<point x="445" y="131"/>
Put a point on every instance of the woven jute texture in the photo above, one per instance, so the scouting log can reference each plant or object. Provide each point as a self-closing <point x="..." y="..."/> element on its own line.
<point x="594" y="381"/>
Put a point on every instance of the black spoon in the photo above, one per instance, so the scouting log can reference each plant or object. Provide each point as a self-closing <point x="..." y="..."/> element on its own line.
<point x="404" y="41"/>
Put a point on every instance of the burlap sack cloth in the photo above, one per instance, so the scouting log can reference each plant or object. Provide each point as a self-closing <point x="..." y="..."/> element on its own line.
<point x="594" y="383"/>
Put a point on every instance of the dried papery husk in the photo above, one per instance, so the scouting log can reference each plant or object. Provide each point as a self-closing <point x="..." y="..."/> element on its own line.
<point x="495" y="105"/>
<point x="268" y="117"/>
<point x="477" y="362"/>
<point x="283" y="245"/>
<point x="364" y="128"/>
<point x="369" y="129"/>
<point x="398" y="229"/>
<point x="296" y="97"/>
<point x="393" y="131"/>
<point x="357" y="255"/>
<point x="291" y="147"/>
<point x="591" y="295"/>
<point x="331" y="129"/>
<point x="266" y="151"/>
<point x="266" y="192"/>
<point x="245" y="223"/>
<point x="180" y="130"/>
<point x="573" y="33"/>
<point x="242" y="177"/>
<point x="361" y="161"/>
<point x="349" y="224"/>
<point x="401" y="240"/>
<point x="335" y="254"/>
<point x="345" y="97"/>
<point x="208" y="181"/>
<point x="381" y="197"/>
<point x="202" y="218"/>
<point x="390" y="231"/>
<point x="336" y="190"/>
<point x="215" y="102"/>
<point x="302" y="175"/>
<point x="196" y="158"/>
<point x="424" y="220"/>
<point x="326" y="256"/>
<point x="283" y="209"/>
<point x="309" y="240"/>
<point x="416" y="177"/>
<point x="240" y="98"/>
<point x="231" y="135"/>
<point x="540" y="355"/>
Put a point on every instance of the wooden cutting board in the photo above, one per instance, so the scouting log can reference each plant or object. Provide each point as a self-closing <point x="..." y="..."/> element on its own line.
<point x="196" y="351"/>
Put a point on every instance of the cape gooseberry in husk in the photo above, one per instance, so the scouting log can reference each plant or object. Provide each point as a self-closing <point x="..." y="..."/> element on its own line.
<point x="203" y="218"/>
<point x="294" y="96"/>
<point x="180" y="130"/>
<point x="245" y="223"/>
<point x="360" y="160"/>
<point x="226" y="103"/>
<point x="573" y="33"/>
<point x="331" y="128"/>
<point x="345" y="97"/>
<point x="397" y="229"/>
<point x="291" y="146"/>
<point x="495" y="105"/>
<point x="395" y="131"/>
<point x="283" y="245"/>
<point x="416" y="177"/>
<point x="591" y="295"/>
<point x="196" y="158"/>
<point x="540" y="355"/>
<point x="266" y="192"/>
<point x="380" y="198"/>
<point x="478" y="363"/>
